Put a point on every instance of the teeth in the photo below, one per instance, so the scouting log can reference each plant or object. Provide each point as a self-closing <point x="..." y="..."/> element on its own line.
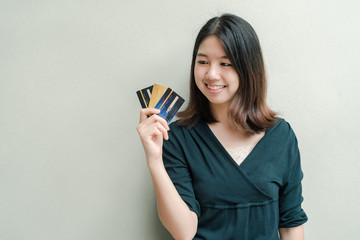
<point x="214" y="87"/>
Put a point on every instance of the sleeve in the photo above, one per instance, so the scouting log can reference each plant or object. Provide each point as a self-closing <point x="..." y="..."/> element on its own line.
<point x="178" y="171"/>
<point x="290" y="199"/>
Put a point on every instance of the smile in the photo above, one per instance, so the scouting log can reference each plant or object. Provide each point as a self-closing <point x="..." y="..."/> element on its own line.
<point x="214" y="87"/>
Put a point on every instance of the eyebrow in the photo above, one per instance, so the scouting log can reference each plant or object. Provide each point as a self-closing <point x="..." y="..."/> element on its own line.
<point x="204" y="55"/>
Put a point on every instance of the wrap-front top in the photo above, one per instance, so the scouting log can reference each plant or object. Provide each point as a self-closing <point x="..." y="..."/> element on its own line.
<point x="247" y="201"/>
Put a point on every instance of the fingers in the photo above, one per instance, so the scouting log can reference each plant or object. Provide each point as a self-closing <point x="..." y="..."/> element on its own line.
<point x="145" y="112"/>
<point x="148" y="111"/>
<point x="155" y="129"/>
<point x="163" y="130"/>
<point x="149" y="125"/>
<point x="161" y="121"/>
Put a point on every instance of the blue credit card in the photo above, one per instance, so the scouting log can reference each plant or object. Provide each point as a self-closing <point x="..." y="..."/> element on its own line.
<point x="169" y="104"/>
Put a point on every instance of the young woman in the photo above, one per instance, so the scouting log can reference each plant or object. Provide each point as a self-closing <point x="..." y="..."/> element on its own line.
<point x="228" y="168"/>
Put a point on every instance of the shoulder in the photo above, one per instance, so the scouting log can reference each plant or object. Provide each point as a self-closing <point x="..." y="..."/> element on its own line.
<point x="181" y="131"/>
<point x="281" y="127"/>
<point x="283" y="141"/>
<point x="176" y="129"/>
<point x="176" y="134"/>
<point x="282" y="133"/>
<point x="182" y="136"/>
<point x="174" y="126"/>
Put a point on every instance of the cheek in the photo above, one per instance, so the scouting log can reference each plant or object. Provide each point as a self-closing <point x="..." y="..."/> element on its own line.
<point x="198" y="82"/>
<point x="198" y="75"/>
<point x="234" y="79"/>
<point x="236" y="82"/>
<point x="196" y="71"/>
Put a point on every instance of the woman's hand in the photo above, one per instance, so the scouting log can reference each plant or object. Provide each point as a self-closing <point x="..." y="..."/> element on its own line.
<point x="152" y="130"/>
<point x="175" y="215"/>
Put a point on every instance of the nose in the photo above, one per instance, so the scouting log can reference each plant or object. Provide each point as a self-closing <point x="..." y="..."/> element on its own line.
<point x="213" y="73"/>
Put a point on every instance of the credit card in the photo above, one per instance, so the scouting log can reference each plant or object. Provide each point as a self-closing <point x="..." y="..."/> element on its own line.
<point x="169" y="104"/>
<point x="162" y="98"/>
<point x="144" y="96"/>
<point x="157" y="92"/>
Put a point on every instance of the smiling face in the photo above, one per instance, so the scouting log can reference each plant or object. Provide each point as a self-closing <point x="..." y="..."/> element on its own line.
<point x="214" y="75"/>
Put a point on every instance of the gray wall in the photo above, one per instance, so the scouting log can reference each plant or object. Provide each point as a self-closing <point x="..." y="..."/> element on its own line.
<point x="71" y="163"/>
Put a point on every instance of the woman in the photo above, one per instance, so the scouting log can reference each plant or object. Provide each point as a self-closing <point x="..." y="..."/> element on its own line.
<point x="229" y="168"/>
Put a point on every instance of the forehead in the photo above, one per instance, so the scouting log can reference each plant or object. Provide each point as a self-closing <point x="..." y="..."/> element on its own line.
<point x="211" y="46"/>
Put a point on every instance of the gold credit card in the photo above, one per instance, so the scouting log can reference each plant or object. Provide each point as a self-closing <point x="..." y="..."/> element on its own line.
<point x="156" y="94"/>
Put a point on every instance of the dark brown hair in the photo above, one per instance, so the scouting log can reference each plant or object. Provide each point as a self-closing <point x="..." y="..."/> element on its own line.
<point x="248" y="110"/>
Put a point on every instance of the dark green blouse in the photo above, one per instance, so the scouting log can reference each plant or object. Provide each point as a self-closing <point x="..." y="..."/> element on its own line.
<point x="247" y="201"/>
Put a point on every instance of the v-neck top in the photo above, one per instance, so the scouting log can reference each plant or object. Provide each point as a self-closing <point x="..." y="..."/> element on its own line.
<point x="240" y="153"/>
<point x="247" y="201"/>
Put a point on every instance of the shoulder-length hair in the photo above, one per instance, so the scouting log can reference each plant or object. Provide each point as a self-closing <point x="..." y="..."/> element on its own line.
<point x="248" y="110"/>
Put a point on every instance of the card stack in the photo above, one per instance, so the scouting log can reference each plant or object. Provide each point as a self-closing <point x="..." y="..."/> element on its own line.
<point x="162" y="98"/>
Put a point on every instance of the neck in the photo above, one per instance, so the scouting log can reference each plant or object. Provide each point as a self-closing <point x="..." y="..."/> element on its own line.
<point x="220" y="112"/>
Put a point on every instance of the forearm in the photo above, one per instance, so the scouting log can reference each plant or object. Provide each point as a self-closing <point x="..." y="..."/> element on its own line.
<point x="293" y="233"/>
<point x="174" y="214"/>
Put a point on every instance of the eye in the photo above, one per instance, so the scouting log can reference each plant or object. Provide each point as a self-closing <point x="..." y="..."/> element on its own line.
<point x="202" y="62"/>
<point x="226" y="64"/>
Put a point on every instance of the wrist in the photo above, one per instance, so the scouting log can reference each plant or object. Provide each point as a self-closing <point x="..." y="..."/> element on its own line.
<point x="155" y="163"/>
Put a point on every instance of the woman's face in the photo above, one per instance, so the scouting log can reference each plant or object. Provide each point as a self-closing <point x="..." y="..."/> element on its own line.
<point x="214" y="75"/>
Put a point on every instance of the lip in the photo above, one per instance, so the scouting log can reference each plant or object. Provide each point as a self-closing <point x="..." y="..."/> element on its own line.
<point x="214" y="91"/>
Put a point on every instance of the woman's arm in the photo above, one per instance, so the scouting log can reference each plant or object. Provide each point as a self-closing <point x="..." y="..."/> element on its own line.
<point x="174" y="214"/>
<point x="293" y="233"/>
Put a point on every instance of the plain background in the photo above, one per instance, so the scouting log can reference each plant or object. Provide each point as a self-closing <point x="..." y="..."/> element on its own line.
<point x="71" y="162"/>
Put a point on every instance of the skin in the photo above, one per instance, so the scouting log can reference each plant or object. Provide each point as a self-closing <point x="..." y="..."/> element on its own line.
<point x="213" y="69"/>
<point x="218" y="81"/>
<point x="172" y="210"/>
<point x="294" y="233"/>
